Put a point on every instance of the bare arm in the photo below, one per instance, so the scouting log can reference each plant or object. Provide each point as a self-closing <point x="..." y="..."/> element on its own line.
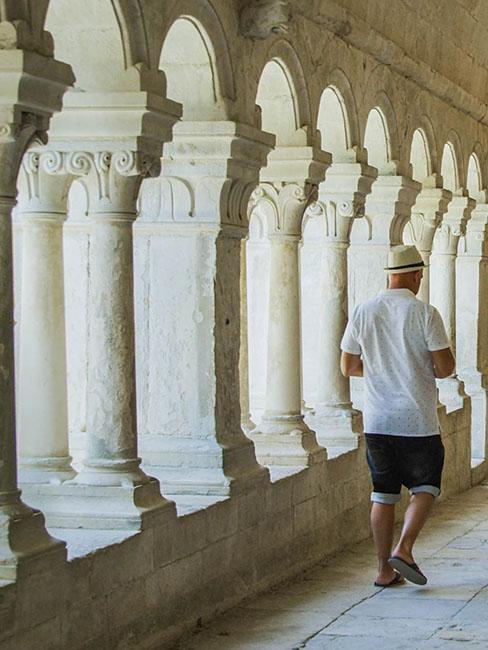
<point x="351" y="365"/>
<point x="444" y="363"/>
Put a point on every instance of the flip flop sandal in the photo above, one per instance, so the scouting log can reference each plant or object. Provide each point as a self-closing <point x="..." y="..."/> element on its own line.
<point x="397" y="580"/>
<point x="409" y="571"/>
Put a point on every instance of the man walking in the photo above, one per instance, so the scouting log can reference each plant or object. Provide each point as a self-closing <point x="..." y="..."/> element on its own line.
<point x="399" y="344"/>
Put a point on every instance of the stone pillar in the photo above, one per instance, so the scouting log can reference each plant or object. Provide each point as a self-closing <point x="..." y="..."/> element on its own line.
<point x="443" y="285"/>
<point x="387" y="211"/>
<point x="472" y="325"/>
<point x="341" y="200"/>
<point x="430" y="206"/>
<point x="32" y="89"/>
<point x="194" y="218"/>
<point x="42" y="400"/>
<point x="282" y="437"/>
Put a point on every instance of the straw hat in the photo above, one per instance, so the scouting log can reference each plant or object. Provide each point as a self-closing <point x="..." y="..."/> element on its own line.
<point x="404" y="259"/>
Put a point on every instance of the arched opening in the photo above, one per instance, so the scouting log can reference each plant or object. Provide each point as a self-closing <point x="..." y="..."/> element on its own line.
<point x="280" y="116"/>
<point x="334" y="127"/>
<point x="449" y="168"/>
<point x="189" y="63"/>
<point x="177" y="274"/>
<point x="279" y="105"/>
<point x="474" y="182"/>
<point x="420" y="157"/>
<point x="96" y="54"/>
<point x="377" y="141"/>
<point x="94" y="49"/>
<point x="333" y="123"/>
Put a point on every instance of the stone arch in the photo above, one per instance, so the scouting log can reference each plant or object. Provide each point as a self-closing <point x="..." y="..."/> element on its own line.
<point x="474" y="178"/>
<point x="188" y="53"/>
<point x="339" y="85"/>
<point x="207" y="22"/>
<point x="377" y="141"/>
<point x="420" y="156"/>
<point x="450" y="167"/>
<point x="333" y="124"/>
<point x="282" y="92"/>
<point x="117" y="31"/>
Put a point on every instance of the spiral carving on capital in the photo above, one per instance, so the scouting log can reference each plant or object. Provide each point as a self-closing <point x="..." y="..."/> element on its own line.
<point x="241" y="197"/>
<point x="79" y="163"/>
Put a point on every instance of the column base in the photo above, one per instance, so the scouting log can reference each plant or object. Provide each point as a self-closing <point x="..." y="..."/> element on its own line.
<point x="286" y="441"/>
<point x="24" y="540"/>
<point x="451" y="393"/>
<point x="336" y="426"/>
<point x="53" y="470"/>
<point x="200" y="466"/>
<point x="75" y="504"/>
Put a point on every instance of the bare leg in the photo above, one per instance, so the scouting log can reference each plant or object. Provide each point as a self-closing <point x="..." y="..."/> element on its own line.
<point x="382" y="525"/>
<point x="415" y="517"/>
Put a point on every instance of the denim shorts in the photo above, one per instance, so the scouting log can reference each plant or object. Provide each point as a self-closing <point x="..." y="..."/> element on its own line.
<point x="415" y="462"/>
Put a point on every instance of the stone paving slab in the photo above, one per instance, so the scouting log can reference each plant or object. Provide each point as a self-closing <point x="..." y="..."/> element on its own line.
<point x="335" y="606"/>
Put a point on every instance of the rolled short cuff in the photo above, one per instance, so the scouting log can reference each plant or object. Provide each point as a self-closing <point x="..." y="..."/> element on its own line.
<point x="383" y="497"/>
<point x="429" y="489"/>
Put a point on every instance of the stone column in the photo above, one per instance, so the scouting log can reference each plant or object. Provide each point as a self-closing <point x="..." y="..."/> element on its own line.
<point x="387" y="211"/>
<point x="443" y="284"/>
<point x="341" y="200"/>
<point x="472" y="325"/>
<point x="430" y="206"/>
<point x="282" y="437"/>
<point x="42" y="400"/>
<point x="32" y="89"/>
<point x="194" y="219"/>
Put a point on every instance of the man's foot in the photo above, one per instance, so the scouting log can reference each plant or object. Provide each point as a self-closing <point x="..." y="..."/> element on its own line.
<point x="409" y="570"/>
<point x="398" y="579"/>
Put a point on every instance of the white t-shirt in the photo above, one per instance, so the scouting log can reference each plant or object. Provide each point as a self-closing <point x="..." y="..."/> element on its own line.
<point x="395" y="333"/>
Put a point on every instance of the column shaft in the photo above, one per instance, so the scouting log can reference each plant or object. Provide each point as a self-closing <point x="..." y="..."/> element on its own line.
<point x="43" y="416"/>
<point x="111" y="408"/>
<point x="333" y="388"/>
<point x="283" y="391"/>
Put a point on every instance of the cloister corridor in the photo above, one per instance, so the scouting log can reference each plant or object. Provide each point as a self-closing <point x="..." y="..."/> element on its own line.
<point x="335" y="606"/>
<point x="195" y="198"/>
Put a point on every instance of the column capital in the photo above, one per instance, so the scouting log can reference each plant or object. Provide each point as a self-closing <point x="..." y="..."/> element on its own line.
<point x="477" y="232"/>
<point x="341" y="198"/>
<point x="284" y="204"/>
<point x="430" y="206"/>
<point x="44" y="184"/>
<point x="32" y="90"/>
<point x="453" y="225"/>
<point x="112" y="178"/>
<point x="209" y="171"/>
<point x="388" y="207"/>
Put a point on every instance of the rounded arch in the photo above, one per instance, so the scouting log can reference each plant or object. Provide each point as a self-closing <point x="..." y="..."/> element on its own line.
<point x="377" y="141"/>
<point x="420" y="156"/>
<point x="450" y="168"/>
<point x="188" y="54"/>
<point x="338" y="83"/>
<point x="283" y="98"/>
<point x="78" y="40"/>
<point x="474" y="178"/>
<point x="333" y="124"/>
<point x="207" y="22"/>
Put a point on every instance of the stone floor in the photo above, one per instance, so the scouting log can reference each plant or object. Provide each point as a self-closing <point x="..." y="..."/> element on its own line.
<point x="335" y="605"/>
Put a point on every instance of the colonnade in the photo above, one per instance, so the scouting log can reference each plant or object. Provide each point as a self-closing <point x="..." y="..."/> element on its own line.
<point x="193" y="190"/>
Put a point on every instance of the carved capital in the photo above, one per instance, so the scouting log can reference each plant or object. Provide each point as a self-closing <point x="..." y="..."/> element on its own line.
<point x="260" y="19"/>
<point x="337" y="218"/>
<point x="112" y="178"/>
<point x="44" y="183"/>
<point x="284" y="205"/>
